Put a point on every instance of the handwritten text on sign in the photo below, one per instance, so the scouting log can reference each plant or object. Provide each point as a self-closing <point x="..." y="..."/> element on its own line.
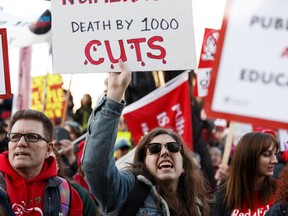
<point x="145" y="34"/>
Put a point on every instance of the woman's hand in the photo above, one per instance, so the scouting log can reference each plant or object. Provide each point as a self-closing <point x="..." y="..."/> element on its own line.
<point x="118" y="82"/>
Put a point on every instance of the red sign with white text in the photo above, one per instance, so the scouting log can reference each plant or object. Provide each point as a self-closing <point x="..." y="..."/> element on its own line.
<point x="167" y="107"/>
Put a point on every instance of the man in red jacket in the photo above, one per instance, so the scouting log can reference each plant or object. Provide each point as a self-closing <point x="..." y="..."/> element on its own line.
<point x="30" y="172"/>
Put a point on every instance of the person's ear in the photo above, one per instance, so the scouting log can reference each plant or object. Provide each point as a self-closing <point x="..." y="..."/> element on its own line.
<point x="50" y="147"/>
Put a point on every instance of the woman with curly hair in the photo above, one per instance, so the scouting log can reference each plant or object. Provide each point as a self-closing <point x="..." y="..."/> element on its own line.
<point x="281" y="206"/>
<point x="162" y="163"/>
<point x="250" y="188"/>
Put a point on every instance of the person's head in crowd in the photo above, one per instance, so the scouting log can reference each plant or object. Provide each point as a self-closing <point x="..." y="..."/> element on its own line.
<point x="86" y="101"/>
<point x="29" y="171"/>
<point x="121" y="148"/>
<point x="163" y="149"/>
<point x="252" y="170"/>
<point x="215" y="155"/>
<point x="3" y="128"/>
<point x="60" y="134"/>
<point x="3" y="136"/>
<point x="266" y="130"/>
<point x="74" y="129"/>
<point x="60" y="164"/>
<point x="30" y="142"/>
<point x="6" y="116"/>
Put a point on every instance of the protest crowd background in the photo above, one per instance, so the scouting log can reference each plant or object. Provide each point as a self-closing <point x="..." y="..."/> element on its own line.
<point x="242" y="163"/>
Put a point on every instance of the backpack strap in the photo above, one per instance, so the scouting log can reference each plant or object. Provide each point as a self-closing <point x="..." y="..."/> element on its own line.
<point x="65" y="195"/>
<point x="136" y="197"/>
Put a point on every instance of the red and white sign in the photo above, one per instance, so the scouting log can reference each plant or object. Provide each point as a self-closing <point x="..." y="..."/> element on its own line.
<point x="5" y="88"/>
<point x="167" y="107"/>
<point x="91" y="36"/>
<point x="209" y="48"/>
<point x="202" y="82"/>
<point x="23" y="96"/>
<point x="207" y="57"/>
<point x="249" y="82"/>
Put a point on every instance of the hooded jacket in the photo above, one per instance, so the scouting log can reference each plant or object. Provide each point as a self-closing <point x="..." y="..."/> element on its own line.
<point x="39" y="195"/>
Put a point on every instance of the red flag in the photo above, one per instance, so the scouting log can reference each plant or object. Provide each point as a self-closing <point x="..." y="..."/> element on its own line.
<point x="167" y="107"/>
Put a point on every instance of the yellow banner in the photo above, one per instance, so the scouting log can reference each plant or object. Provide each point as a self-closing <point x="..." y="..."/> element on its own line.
<point x="47" y="93"/>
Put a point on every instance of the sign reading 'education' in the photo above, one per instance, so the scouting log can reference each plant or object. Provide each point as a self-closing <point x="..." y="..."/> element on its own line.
<point x="250" y="78"/>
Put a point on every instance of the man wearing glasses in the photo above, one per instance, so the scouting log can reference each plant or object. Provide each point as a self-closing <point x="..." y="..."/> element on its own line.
<point x="30" y="172"/>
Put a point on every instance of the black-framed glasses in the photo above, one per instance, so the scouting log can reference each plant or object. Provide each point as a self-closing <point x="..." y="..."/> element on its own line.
<point x="29" y="137"/>
<point x="155" y="148"/>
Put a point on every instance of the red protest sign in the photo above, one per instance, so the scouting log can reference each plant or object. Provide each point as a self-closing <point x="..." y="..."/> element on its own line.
<point x="207" y="57"/>
<point x="5" y="88"/>
<point x="209" y="48"/>
<point x="167" y="107"/>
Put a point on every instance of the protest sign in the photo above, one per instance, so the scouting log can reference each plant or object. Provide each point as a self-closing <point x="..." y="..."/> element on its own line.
<point x="5" y="88"/>
<point x="283" y="139"/>
<point x="22" y="98"/>
<point x="249" y="82"/>
<point x="168" y="106"/>
<point x="202" y="81"/>
<point x="207" y="57"/>
<point x="209" y="48"/>
<point x="91" y="36"/>
<point x="48" y="95"/>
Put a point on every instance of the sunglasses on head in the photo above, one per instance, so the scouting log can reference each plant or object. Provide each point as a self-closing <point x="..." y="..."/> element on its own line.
<point x="155" y="148"/>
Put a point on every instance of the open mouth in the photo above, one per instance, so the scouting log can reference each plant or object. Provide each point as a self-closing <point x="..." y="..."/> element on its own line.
<point x="21" y="154"/>
<point x="165" y="165"/>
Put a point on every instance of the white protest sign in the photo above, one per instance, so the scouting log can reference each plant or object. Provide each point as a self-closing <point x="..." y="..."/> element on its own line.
<point x="283" y="139"/>
<point x="203" y="79"/>
<point x="92" y="36"/>
<point x="249" y="82"/>
<point x="240" y="130"/>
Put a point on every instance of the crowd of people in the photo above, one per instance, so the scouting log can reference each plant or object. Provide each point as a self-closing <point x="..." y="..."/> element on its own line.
<point x="70" y="169"/>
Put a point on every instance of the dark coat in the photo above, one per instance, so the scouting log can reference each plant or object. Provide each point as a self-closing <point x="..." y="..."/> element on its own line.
<point x="278" y="209"/>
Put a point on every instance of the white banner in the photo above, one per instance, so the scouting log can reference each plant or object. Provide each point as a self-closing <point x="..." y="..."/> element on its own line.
<point x="147" y="35"/>
<point x="252" y="70"/>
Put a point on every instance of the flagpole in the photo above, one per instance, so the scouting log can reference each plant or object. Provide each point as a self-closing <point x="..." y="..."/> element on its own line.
<point x="46" y="81"/>
<point x="44" y="92"/>
<point x="228" y="145"/>
<point x="66" y="103"/>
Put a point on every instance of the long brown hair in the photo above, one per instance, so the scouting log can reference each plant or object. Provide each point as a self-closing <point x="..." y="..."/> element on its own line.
<point x="244" y="166"/>
<point x="192" y="186"/>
